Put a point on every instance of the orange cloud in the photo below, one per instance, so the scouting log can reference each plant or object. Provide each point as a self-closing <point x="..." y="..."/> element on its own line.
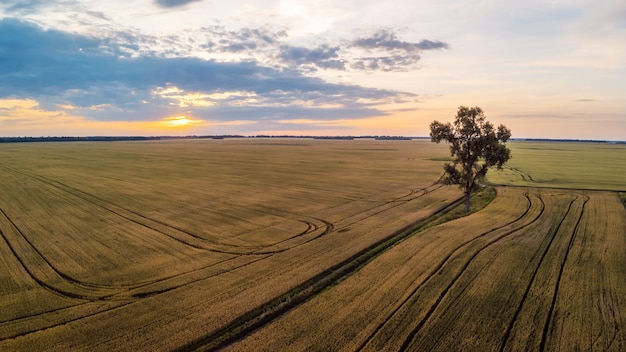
<point x="180" y="121"/>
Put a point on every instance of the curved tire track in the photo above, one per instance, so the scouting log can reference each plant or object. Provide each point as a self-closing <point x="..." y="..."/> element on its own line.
<point x="439" y="267"/>
<point x="94" y="291"/>
<point x="46" y="271"/>
<point x="178" y="234"/>
<point x="265" y="313"/>
<point x="122" y="294"/>
<point x="128" y="298"/>
<point x="546" y="326"/>
<point x="388" y="205"/>
<point x="534" y="275"/>
<point x="409" y="339"/>
<point x="524" y="176"/>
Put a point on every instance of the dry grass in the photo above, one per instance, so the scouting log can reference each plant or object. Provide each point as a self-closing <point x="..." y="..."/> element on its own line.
<point x="153" y="245"/>
<point x="546" y="281"/>
<point x="158" y="245"/>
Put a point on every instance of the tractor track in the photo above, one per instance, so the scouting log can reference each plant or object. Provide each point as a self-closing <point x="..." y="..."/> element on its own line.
<point x="98" y="202"/>
<point x="388" y="205"/>
<point x="546" y="326"/>
<point x="84" y="290"/>
<point x="90" y="291"/>
<point x="534" y="275"/>
<point x="121" y="295"/>
<point x="324" y="227"/>
<point x="280" y="305"/>
<point x="524" y="176"/>
<point x="148" y="294"/>
<point x="32" y="275"/>
<point x="118" y="303"/>
<point x="422" y="322"/>
<point x="446" y="259"/>
<point x="194" y="241"/>
<point x="442" y="295"/>
<point x="78" y="289"/>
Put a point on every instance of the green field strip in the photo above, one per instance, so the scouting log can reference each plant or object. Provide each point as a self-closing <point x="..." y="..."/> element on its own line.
<point x="591" y="166"/>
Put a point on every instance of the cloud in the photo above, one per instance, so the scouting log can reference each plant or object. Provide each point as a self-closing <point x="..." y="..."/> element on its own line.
<point x="173" y="3"/>
<point x="267" y="45"/>
<point x="390" y="54"/>
<point x="24" y="6"/>
<point x="393" y="54"/>
<point x="386" y="63"/>
<point x="98" y="14"/>
<point x="386" y="39"/>
<point x="106" y="79"/>
<point x="28" y="112"/>
<point x="322" y="57"/>
<point x="221" y="40"/>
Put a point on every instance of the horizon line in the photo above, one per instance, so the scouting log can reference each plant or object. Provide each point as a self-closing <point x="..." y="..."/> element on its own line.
<point x="105" y="138"/>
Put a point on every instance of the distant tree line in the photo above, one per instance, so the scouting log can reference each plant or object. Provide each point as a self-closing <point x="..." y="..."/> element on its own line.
<point x="568" y="140"/>
<point x="142" y="138"/>
<point x="75" y="139"/>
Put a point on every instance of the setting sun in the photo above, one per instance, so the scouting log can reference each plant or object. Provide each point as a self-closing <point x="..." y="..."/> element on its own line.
<point x="179" y="121"/>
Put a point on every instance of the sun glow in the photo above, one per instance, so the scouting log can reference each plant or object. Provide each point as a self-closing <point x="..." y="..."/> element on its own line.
<point x="179" y="121"/>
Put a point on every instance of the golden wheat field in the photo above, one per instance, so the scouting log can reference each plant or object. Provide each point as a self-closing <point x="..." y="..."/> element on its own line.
<point x="297" y="244"/>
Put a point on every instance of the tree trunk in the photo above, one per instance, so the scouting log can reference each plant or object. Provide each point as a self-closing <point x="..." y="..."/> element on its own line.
<point x="467" y="201"/>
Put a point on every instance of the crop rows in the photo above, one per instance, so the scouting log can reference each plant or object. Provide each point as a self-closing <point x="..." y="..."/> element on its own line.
<point x="248" y="245"/>
<point x="461" y="286"/>
<point x="86" y="267"/>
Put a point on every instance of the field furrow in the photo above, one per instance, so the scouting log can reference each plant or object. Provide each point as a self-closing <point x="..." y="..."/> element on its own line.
<point x="487" y="291"/>
<point x="492" y="291"/>
<point x="210" y="243"/>
<point x="297" y="245"/>
<point x="281" y="267"/>
<point x="44" y="272"/>
<point x="360" y="302"/>
<point x="455" y="257"/>
<point x="589" y="308"/>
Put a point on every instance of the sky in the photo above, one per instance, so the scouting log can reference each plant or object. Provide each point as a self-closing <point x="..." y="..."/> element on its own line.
<point x="545" y="69"/>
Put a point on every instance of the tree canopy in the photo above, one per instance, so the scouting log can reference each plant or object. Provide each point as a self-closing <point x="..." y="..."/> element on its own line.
<point x="475" y="146"/>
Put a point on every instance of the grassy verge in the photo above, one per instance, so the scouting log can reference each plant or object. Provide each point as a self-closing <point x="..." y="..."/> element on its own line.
<point x="479" y="200"/>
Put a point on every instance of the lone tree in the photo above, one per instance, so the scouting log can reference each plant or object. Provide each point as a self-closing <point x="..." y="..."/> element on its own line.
<point x="474" y="146"/>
